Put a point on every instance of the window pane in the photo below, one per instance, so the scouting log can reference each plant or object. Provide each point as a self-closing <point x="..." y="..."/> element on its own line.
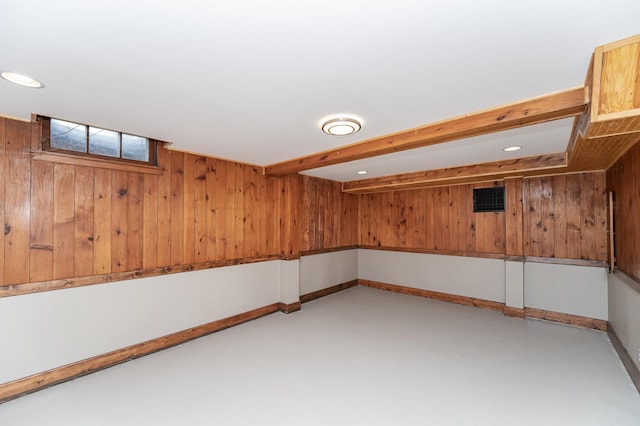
<point x="135" y="148"/>
<point x="69" y="136"/>
<point x="104" y="142"/>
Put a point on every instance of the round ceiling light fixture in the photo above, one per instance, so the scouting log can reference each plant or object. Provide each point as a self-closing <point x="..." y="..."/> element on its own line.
<point x="512" y="148"/>
<point x="341" y="125"/>
<point x="22" y="80"/>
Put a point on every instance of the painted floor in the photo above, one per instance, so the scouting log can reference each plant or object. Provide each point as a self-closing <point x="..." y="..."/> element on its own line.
<point x="359" y="357"/>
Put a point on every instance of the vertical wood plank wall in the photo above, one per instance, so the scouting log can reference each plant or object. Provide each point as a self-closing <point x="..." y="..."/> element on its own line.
<point x="559" y="217"/>
<point x="67" y="221"/>
<point x="329" y="217"/>
<point x="437" y="219"/>
<point x="63" y="221"/>
<point x="623" y="178"/>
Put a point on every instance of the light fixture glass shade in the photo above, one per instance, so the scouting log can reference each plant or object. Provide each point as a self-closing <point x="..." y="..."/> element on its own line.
<point x="22" y="80"/>
<point x="341" y="126"/>
<point x="512" y="148"/>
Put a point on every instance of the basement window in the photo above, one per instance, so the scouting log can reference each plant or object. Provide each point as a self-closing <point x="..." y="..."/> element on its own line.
<point x="90" y="141"/>
<point x="488" y="199"/>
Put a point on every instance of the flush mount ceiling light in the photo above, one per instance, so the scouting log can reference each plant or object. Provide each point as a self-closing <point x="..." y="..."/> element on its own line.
<point x="341" y="125"/>
<point x="21" y="79"/>
<point x="512" y="148"/>
<point x="362" y="172"/>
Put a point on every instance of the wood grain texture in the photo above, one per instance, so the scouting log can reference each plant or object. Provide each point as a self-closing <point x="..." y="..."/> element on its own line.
<point x="433" y="219"/>
<point x="567" y="103"/>
<point x="568" y="319"/>
<point x="39" y="381"/>
<point x="328" y="217"/>
<point x="461" y="174"/>
<point x="624" y="180"/>
<point x="565" y="217"/>
<point x="65" y="219"/>
<point x="304" y="298"/>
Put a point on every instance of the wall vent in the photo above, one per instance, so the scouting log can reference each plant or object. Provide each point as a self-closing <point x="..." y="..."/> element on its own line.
<point x="488" y="199"/>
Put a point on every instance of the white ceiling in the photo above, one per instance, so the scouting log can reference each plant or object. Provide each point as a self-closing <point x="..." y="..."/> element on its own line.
<point x="250" y="80"/>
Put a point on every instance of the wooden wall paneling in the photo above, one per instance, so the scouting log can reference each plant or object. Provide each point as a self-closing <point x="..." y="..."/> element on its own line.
<point x="445" y="220"/>
<point x="164" y="207"/>
<point x="249" y="234"/>
<point x="574" y="225"/>
<point x="513" y="217"/>
<point x="351" y="214"/>
<point x="150" y="222"/>
<point x="63" y="220"/>
<point x="292" y="200"/>
<point x="272" y="226"/>
<point x="600" y="216"/>
<point x="430" y="229"/>
<point x="587" y="216"/>
<point x="306" y="231"/>
<point x="480" y="220"/>
<point x="263" y="209"/>
<point x="211" y="206"/>
<point x="454" y="215"/>
<point x="238" y="212"/>
<point x="119" y="220"/>
<point x="177" y="207"/>
<point x="222" y="192"/>
<point x="231" y="206"/>
<point x="189" y="207"/>
<point x="526" y="216"/>
<point x="400" y="222"/>
<point x="135" y="221"/>
<point x="200" y="207"/>
<point x="560" y="216"/>
<point x="546" y="218"/>
<point x="102" y="213"/>
<point x="465" y="210"/>
<point x="41" y="244"/>
<point x="534" y="214"/>
<point x="84" y="221"/>
<point x="17" y="202"/>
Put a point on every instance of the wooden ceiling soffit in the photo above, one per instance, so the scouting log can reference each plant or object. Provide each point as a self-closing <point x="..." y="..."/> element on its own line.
<point x="611" y="123"/>
<point x="458" y="175"/>
<point x="554" y="106"/>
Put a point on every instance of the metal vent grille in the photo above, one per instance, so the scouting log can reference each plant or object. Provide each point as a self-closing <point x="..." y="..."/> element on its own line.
<point x="488" y="199"/>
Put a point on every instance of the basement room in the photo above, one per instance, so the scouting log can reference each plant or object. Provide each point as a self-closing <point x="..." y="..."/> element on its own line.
<point x="337" y="212"/>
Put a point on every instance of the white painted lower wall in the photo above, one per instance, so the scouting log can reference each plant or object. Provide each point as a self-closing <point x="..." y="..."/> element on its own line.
<point x="570" y="289"/>
<point x="320" y="271"/>
<point x="463" y="276"/>
<point x="624" y="312"/>
<point x="46" y="330"/>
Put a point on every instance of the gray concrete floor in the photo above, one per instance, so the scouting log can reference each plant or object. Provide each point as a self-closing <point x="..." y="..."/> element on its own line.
<point x="359" y="357"/>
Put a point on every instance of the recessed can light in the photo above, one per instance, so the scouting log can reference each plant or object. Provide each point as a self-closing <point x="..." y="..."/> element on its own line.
<point x="512" y="148"/>
<point x="341" y="125"/>
<point x="22" y="80"/>
<point x="362" y="172"/>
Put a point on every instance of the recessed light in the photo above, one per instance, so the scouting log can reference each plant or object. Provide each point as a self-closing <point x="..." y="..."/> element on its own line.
<point x="362" y="172"/>
<point x="22" y="80"/>
<point x="341" y="125"/>
<point x="512" y="148"/>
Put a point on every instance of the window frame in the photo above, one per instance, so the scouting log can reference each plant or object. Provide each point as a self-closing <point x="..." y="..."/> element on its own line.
<point x="46" y="145"/>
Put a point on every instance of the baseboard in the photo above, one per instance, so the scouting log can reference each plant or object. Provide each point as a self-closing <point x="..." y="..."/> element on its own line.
<point x="19" y="387"/>
<point x="559" y="317"/>
<point x="627" y="361"/>
<point x="514" y="312"/>
<point x="445" y="297"/>
<point x="288" y="308"/>
<point x="327" y="291"/>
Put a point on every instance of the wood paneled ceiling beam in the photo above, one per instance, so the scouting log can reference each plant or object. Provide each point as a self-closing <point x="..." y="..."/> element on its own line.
<point x="455" y="175"/>
<point x="554" y="106"/>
